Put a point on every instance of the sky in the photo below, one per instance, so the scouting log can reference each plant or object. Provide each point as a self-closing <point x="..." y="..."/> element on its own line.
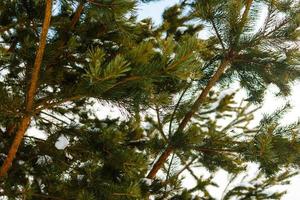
<point x="271" y="103"/>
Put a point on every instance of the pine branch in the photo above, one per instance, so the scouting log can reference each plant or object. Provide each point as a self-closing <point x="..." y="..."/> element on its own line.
<point x="244" y="18"/>
<point x="44" y="105"/>
<point x="186" y="166"/>
<point x="227" y="185"/>
<point x="215" y="150"/>
<point x="194" y="176"/>
<point x="24" y="124"/>
<point x="276" y="28"/>
<point x="70" y="27"/>
<point x="125" y="80"/>
<point x="175" y="109"/>
<point x="267" y="19"/>
<point x="180" y="61"/>
<point x="223" y="66"/>
<point x="245" y="13"/>
<point x="77" y="14"/>
<point x="217" y="33"/>
<point x="48" y="121"/>
<point x="238" y="119"/>
<point x="34" y="138"/>
<point x="25" y="121"/>
<point x="160" y="127"/>
<point x="38" y="59"/>
<point x="207" y="112"/>
<point x="160" y="162"/>
<point x="164" y="156"/>
<point x="54" y="117"/>
<point x="169" y="169"/>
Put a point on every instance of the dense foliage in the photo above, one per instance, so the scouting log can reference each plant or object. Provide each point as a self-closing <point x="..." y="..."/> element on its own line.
<point x="62" y="58"/>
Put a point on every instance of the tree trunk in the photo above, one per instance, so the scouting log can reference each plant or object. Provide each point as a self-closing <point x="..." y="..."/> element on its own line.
<point x="26" y="119"/>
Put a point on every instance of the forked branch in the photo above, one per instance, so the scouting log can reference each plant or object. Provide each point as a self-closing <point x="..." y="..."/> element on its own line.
<point x="201" y="99"/>
<point x="164" y="156"/>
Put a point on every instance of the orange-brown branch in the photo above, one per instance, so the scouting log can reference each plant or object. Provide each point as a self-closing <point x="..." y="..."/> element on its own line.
<point x="39" y="57"/>
<point x="77" y="14"/>
<point x="26" y="119"/>
<point x="164" y="156"/>
<point x="160" y="162"/>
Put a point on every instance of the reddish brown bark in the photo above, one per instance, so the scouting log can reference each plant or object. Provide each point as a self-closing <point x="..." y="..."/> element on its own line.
<point x="159" y="163"/>
<point x="164" y="156"/>
<point x="26" y="119"/>
<point x="39" y="57"/>
<point x="77" y="14"/>
<point x="15" y="145"/>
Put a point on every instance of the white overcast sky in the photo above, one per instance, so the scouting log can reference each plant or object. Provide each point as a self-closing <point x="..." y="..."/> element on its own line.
<point x="154" y="10"/>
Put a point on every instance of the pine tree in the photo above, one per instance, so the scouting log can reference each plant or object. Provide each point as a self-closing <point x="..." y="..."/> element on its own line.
<point x="59" y="58"/>
<point x="91" y="51"/>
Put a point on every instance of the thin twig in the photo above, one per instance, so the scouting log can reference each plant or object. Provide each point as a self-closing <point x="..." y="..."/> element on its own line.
<point x="169" y="169"/>
<point x="186" y="166"/>
<point x="160" y="127"/>
<point x="50" y="115"/>
<point x="175" y="109"/>
<point x="217" y="33"/>
<point x="45" y="105"/>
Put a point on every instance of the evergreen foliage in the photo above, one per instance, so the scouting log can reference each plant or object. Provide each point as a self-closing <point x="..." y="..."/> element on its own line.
<point x="162" y="77"/>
